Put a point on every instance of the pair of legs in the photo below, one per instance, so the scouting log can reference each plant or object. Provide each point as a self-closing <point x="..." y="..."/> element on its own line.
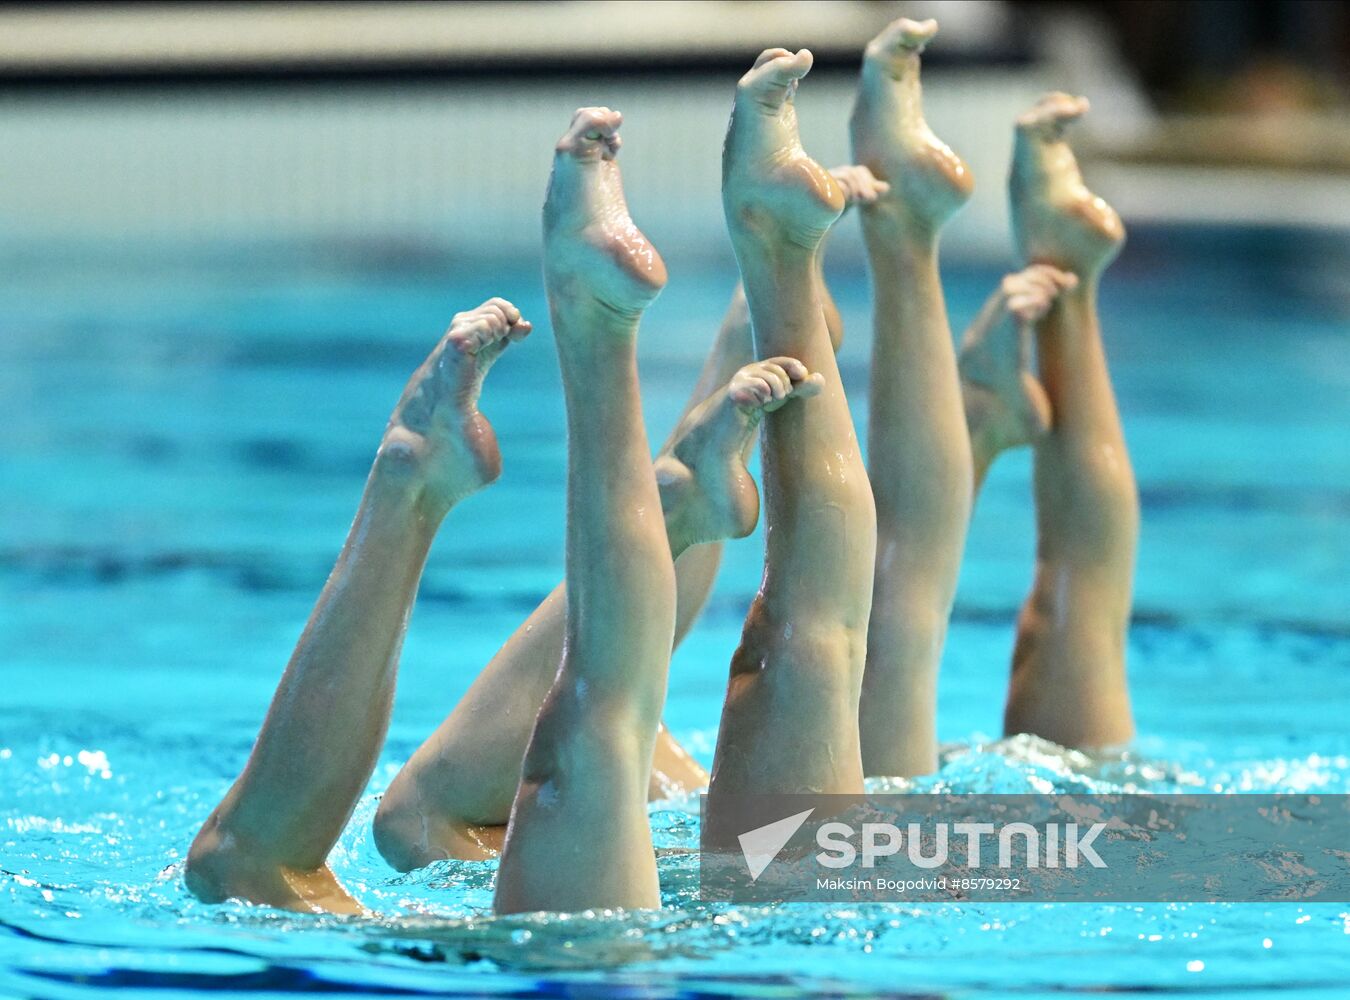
<point x="921" y="476"/>
<point x="578" y="835"/>
<point x="453" y="797"/>
<point x="936" y="425"/>
<point x="590" y="747"/>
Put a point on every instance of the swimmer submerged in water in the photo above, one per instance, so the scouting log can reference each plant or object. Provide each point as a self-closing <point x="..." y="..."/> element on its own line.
<point x="453" y="797"/>
<point x="268" y="840"/>
<point x="789" y="722"/>
<point x="578" y="836"/>
<point x="937" y="423"/>
<point x="561" y="733"/>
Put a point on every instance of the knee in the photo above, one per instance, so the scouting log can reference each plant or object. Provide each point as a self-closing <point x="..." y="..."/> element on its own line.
<point x="1107" y="486"/>
<point x="578" y="737"/>
<point x="803" y="641"/>
<point x="926" y="510"/>
<point x="401" y="832"/>
<point x="218" y="867"/>
<point x="908" y="601"/>
<point x="1096" y="541"/>
<point x="206" y="871"/>
<point x="1098" y="512"/>
<point x="908" y="628"/>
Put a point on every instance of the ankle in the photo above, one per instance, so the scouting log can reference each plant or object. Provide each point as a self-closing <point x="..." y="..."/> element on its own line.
<point x="581" y="310"/>
<point x="1082" y="298"/>
<point x="398" y="486"/>
<point x="896" y="236"/>
<point x="773" y="251"/>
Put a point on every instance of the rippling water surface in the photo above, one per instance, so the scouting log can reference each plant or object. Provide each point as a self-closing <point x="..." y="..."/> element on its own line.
<point x="184" y="447"/>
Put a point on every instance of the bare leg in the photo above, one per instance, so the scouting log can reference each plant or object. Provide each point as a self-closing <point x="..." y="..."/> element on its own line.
<point x="453" y="797"/>
<point x="734" y="346"/>
<point x="578" y="836"/>
<point x="1068" y="679"/>
<point x="790" y="721"/>
<point x="919" y="449"/>
<point x="1006" y="406"/>
<point x="696" y="568"/>
<point x="268" y="840"/>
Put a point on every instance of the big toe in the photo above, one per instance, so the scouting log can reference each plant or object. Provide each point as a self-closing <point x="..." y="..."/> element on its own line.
<point x="1051" y="114"/>
<point x="769" y="55"/>
<point x="771" y="80"/>
<point x="491" y="324"/>
<point x="903" y="36"/>
<point x="593" y="134"/>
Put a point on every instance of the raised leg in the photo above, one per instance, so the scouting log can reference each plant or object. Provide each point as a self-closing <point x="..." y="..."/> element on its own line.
<point x="696" y="568"/>
<point x="1068" y="678"/>
<point x="790" y="720"/>
<point x="268" y="840"/>
<point x="578" y="836"/>
<point x="919" y="456"/>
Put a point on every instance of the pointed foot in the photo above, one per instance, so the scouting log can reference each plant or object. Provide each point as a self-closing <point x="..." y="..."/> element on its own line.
<point x="706" y="491"/>
<point x="436" y="437"/>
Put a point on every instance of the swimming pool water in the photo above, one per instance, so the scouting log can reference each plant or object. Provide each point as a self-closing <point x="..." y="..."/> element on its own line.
<point x="185" y="441"/>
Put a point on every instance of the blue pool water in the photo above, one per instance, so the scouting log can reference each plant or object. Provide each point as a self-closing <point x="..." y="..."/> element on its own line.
<point x="184" y="442"/>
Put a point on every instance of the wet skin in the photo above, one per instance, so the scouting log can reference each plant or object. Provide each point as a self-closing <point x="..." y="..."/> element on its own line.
<point x="1006" y="405"/>
<point x="453" y="797"/>
<point x="269" y="839"/>
<point x="578" y="837"/>
<point x="790" y="718"/>
<point x="1068" y="678"/>
<point x="918" y="445"/>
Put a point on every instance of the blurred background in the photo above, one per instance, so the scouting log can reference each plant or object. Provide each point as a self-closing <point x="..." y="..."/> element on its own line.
<point x="427" y="127"/>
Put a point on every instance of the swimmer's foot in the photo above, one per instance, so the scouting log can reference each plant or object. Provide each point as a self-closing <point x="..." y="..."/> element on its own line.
<point x="593" y="252"/>
<point x="1006" y="406"/>
<point x="928" y="182"/>
<point x="706" y="492"/>
<point x="1056" y="219"/>
<point x="773" y="193"/>
<point x="436" y="436"/>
